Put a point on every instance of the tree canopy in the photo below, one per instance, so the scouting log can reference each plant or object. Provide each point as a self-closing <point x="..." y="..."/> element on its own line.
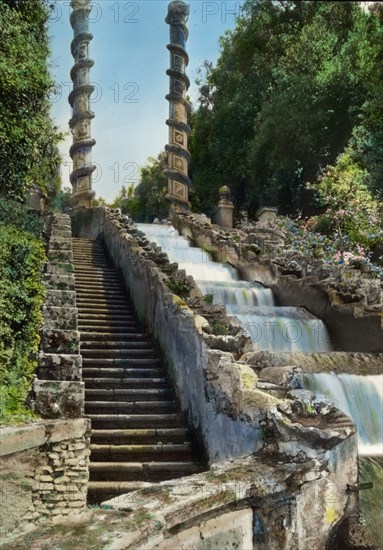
<point x="295" y="84"/>
<point x="28" y="138"/>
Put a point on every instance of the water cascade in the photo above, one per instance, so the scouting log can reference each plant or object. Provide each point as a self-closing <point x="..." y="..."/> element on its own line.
<point x="277" y="328"/>
<point x="271" y="327"/>
<point x="361" y="398"/>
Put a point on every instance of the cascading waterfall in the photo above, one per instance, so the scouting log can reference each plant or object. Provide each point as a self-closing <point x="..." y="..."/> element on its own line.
<point x="276" y="328"/>
<point x="270" y="327"/>
<point x="361" y="398"/>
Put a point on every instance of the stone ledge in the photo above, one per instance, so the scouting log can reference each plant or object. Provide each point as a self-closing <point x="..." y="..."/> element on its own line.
<point x="17" y="439"/>
<point x="248" y="489"/>
<point x="335" y="361"/>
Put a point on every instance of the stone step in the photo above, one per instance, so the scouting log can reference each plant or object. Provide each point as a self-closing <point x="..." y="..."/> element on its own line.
<point x="143" y="353"/>
<point x="141" y="471"/>
<point x="103" y="293"/>
<point x="122" y="362"/>
<point x="114" y="336"/>
<point x="117" y="343"/>
<point x="102" y="288"/>
<point x="99" y="491"/>
<point x="109" y="270"/>
<point x="101" y="300"/>
<point x="111" y="316"/>
<point x="102" y="311"/>
<point x="90" y="258"/>
<point x="115" y="394"/>
<point x="118" y="330"/>
<point x="126" y="383"/>
<point x="89" y="372"/>
<point x="93" y="279"/>
<point x="91" y="263"/>
<point x="142" y="453"/>
<point x="139" y="437"/>
<point x="84" y="299"/>
<point x="138" y="431"/>
<point x="130" y="407"/>
<point x="131" y="421"/>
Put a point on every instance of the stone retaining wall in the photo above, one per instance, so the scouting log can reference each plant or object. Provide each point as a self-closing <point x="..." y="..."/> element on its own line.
<point x="43" y="472"/>
<point x="59" y="390"/>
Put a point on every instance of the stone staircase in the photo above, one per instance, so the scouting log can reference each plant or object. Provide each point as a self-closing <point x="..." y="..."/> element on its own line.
<point x="138" y="430"/>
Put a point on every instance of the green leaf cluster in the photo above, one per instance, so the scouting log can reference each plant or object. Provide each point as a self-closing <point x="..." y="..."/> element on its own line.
<point x="28" y="138"/>
<point x="147" y="200"/>
<point x="22" y="257"/>
<point x="295" y="83"/>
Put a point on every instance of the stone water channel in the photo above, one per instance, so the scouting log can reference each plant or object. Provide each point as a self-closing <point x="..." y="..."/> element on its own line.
<point x="290" y="329"/>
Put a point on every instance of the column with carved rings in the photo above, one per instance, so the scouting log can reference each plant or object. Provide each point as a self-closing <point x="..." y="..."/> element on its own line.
<point x="79" y="99"/>
<point x="177" y="148"/>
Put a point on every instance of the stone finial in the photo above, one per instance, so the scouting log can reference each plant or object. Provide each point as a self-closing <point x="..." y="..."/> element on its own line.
<point x="225" y="208"/>
<point x="178" y="13"/>
<point x="79" y="99"/>
<point x="177" y="149"/>
<point x="224" y="192"/>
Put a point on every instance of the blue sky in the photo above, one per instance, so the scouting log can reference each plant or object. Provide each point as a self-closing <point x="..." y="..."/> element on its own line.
<point x="129" y="50"/>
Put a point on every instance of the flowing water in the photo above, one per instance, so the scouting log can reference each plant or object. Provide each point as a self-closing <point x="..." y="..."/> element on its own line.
<point x="276" y="328"/>
<point x="361" y="398"/>
<point x="270" y="327"/>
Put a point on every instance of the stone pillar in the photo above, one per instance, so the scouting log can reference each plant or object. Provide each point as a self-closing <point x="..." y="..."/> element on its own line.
<point x="177" y="149"/>
<point x="225" y="209"/>
<point x="81" y="150"/>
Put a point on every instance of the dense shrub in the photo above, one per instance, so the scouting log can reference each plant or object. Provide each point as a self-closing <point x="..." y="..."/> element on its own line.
<point x="28" y="138"/>
<point x="22" y="257"/>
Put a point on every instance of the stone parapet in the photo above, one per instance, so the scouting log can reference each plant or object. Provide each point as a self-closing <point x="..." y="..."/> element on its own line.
<point x="245" y="503"/>
<point x="43" y="472"/>
<point x="59" y="390"/>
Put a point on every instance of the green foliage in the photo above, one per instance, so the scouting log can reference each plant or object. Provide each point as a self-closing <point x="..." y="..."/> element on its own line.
<point x="351" y="211"/>
<point x="146" y="201"/>
<point x="61" y="200"/>
<point x="180" y="288"/>
<point x="218" y="328"/>
<point x="28" y="139"/>
<point x="295" y="82"/>
<point x="22" y="257"/>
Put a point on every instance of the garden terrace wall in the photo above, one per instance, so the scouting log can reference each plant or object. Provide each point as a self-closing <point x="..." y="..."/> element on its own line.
<point x="43" y="472"/>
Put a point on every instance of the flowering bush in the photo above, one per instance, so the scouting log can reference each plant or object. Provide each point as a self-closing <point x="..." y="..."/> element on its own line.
<point x="302" y="236"/>
<point x="352" y="214"/>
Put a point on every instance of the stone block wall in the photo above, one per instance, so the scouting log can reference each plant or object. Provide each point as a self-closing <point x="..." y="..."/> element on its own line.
<point x="59" y="390"/>
<point x="43" y="472"/>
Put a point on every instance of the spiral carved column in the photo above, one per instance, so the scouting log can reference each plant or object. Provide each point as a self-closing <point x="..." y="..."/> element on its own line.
<point x="79" y="99"/>
<point x="177" y="149"/>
